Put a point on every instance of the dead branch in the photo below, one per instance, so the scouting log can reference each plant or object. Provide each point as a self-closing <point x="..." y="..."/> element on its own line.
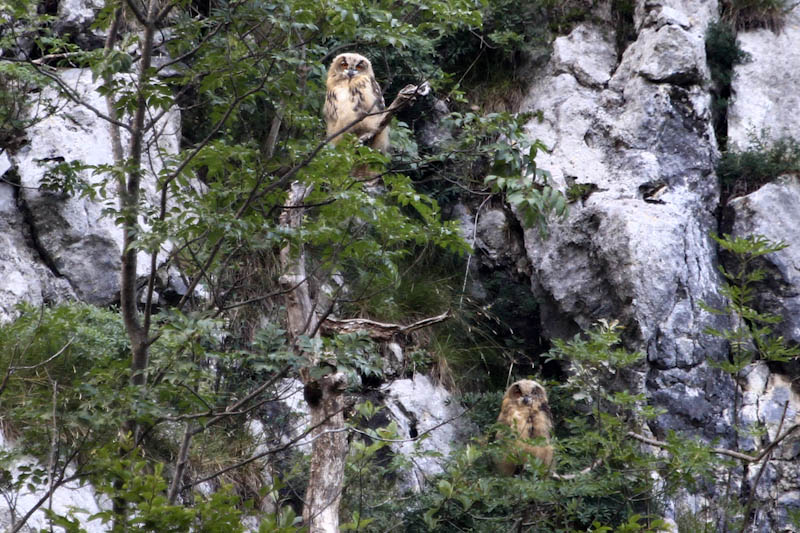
<point x="665" y="445"/>
<point x="379" y="331"/>
<point x="405" y="97"/>
<point x="575" y="475"/>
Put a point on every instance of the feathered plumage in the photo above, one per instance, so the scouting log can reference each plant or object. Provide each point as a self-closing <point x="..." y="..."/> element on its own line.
<point x="526" y="411"/>
<point x="354" y="99"/>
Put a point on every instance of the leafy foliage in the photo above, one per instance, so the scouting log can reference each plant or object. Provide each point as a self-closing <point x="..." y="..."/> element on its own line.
<point x="744" y="171"/>
<point x="751" y="338"/>
<point x="250" y="79"/>
<point x="71" y="359"/>
<point x="722" y="55"/>
<point x="494" y="61"/>
<point x="615" y="495"/>
<point x="536" y="204"/>
<point x="66" y="388"/>
<point x="14" y="118"/>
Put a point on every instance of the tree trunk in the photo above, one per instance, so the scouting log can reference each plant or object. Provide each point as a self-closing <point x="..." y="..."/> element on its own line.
<point x="323" y="394"/>
<point x="326" y="477"/>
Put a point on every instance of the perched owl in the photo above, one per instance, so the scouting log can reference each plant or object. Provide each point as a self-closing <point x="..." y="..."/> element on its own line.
<point x="354" y="93"/>
<point x="526" y="411"/>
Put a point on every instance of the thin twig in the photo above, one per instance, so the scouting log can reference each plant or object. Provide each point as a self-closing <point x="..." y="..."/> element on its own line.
<point x="746" y="515"/>
<point x="469" y="257"/>
<point x="568" y="477"/>
<point x="411" y="439"/>
<point x="48" y="360"/>
<point x="722" y="451"/>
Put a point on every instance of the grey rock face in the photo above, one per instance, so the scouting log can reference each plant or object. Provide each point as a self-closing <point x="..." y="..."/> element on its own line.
<point x="774" y="212"/>
<point x="24" y="276"/>
<point x="671" y="54"/>
<point x="73" y="236"/>
<point x="584" y="54"/>
<point x="765" y="92"/>
<point x="418" y="405"/>
<point x="621" y="254"/>
<point x="637" y="249"/>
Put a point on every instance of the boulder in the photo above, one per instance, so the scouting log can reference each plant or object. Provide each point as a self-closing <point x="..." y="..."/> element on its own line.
<point x="419" y="406"/>
<point x="24" y="274"/>
<point x="75" y="236"/>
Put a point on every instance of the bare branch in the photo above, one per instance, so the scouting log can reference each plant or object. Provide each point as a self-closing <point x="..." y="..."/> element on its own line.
<point x="746" y="514"/>
<point x="272" y="451"/>
<point x="569" y="477"/>
<point x="17" y="526"/>
<point x="378" y="330"/>
<point x="49" y="359"/>
<point x="72" y="95"/>
<point x="723" y="451"/>
<point x="405" y="97"/>
<point x="431" y="429"/>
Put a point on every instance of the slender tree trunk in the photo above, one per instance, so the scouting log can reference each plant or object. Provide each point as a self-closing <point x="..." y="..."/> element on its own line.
<point x="323" y="395"/>
<point x="128" y="187"/>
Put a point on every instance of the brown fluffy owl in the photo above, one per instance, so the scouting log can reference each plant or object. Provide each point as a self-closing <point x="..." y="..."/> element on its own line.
<point x="354" y="93"/>
<point x="526" y="411"/>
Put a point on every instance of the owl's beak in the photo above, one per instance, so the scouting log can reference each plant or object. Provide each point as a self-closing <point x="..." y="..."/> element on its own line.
<point x="351" y="72"/>
<point x="526" y="400"/>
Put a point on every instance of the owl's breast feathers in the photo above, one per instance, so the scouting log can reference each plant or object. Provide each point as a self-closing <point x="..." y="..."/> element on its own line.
<point x="355" y="104"/>
<point x="363" y="96"/>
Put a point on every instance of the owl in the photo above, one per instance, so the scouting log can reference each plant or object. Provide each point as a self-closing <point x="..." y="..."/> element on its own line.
<point x="526" y="411"/>
<point x="353" y="93"/>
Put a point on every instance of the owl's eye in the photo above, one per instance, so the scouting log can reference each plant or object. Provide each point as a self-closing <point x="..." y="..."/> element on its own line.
<point x="360" y="66"/>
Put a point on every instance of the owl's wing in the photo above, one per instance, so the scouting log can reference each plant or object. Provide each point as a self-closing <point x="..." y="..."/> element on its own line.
<point x="376" y="91"/>
<point x="545" y="408"/>
<point x="329" y="109"/>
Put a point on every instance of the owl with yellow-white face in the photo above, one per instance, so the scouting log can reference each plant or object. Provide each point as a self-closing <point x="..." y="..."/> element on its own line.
<point x="354" y="101"/>
<point x="526" y="411"/>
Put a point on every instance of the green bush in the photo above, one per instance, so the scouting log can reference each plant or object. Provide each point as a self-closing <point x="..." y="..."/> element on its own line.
<point x="592" y="417"/>
<point x="743" y="171"/>
<point x="69" y="361"/>
<point x="722" y="54"/>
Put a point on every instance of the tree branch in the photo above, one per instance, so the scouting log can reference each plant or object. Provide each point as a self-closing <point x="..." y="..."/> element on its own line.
<point x="751" y="497"/>
<point x="405" y="97"/>
<point x="723" y="451"/>
<point x="378" y="330"/>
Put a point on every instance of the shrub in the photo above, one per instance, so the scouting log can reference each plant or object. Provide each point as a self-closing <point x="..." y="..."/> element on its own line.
<point x="742" y="172"/>
<point x="722" y="54"/>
